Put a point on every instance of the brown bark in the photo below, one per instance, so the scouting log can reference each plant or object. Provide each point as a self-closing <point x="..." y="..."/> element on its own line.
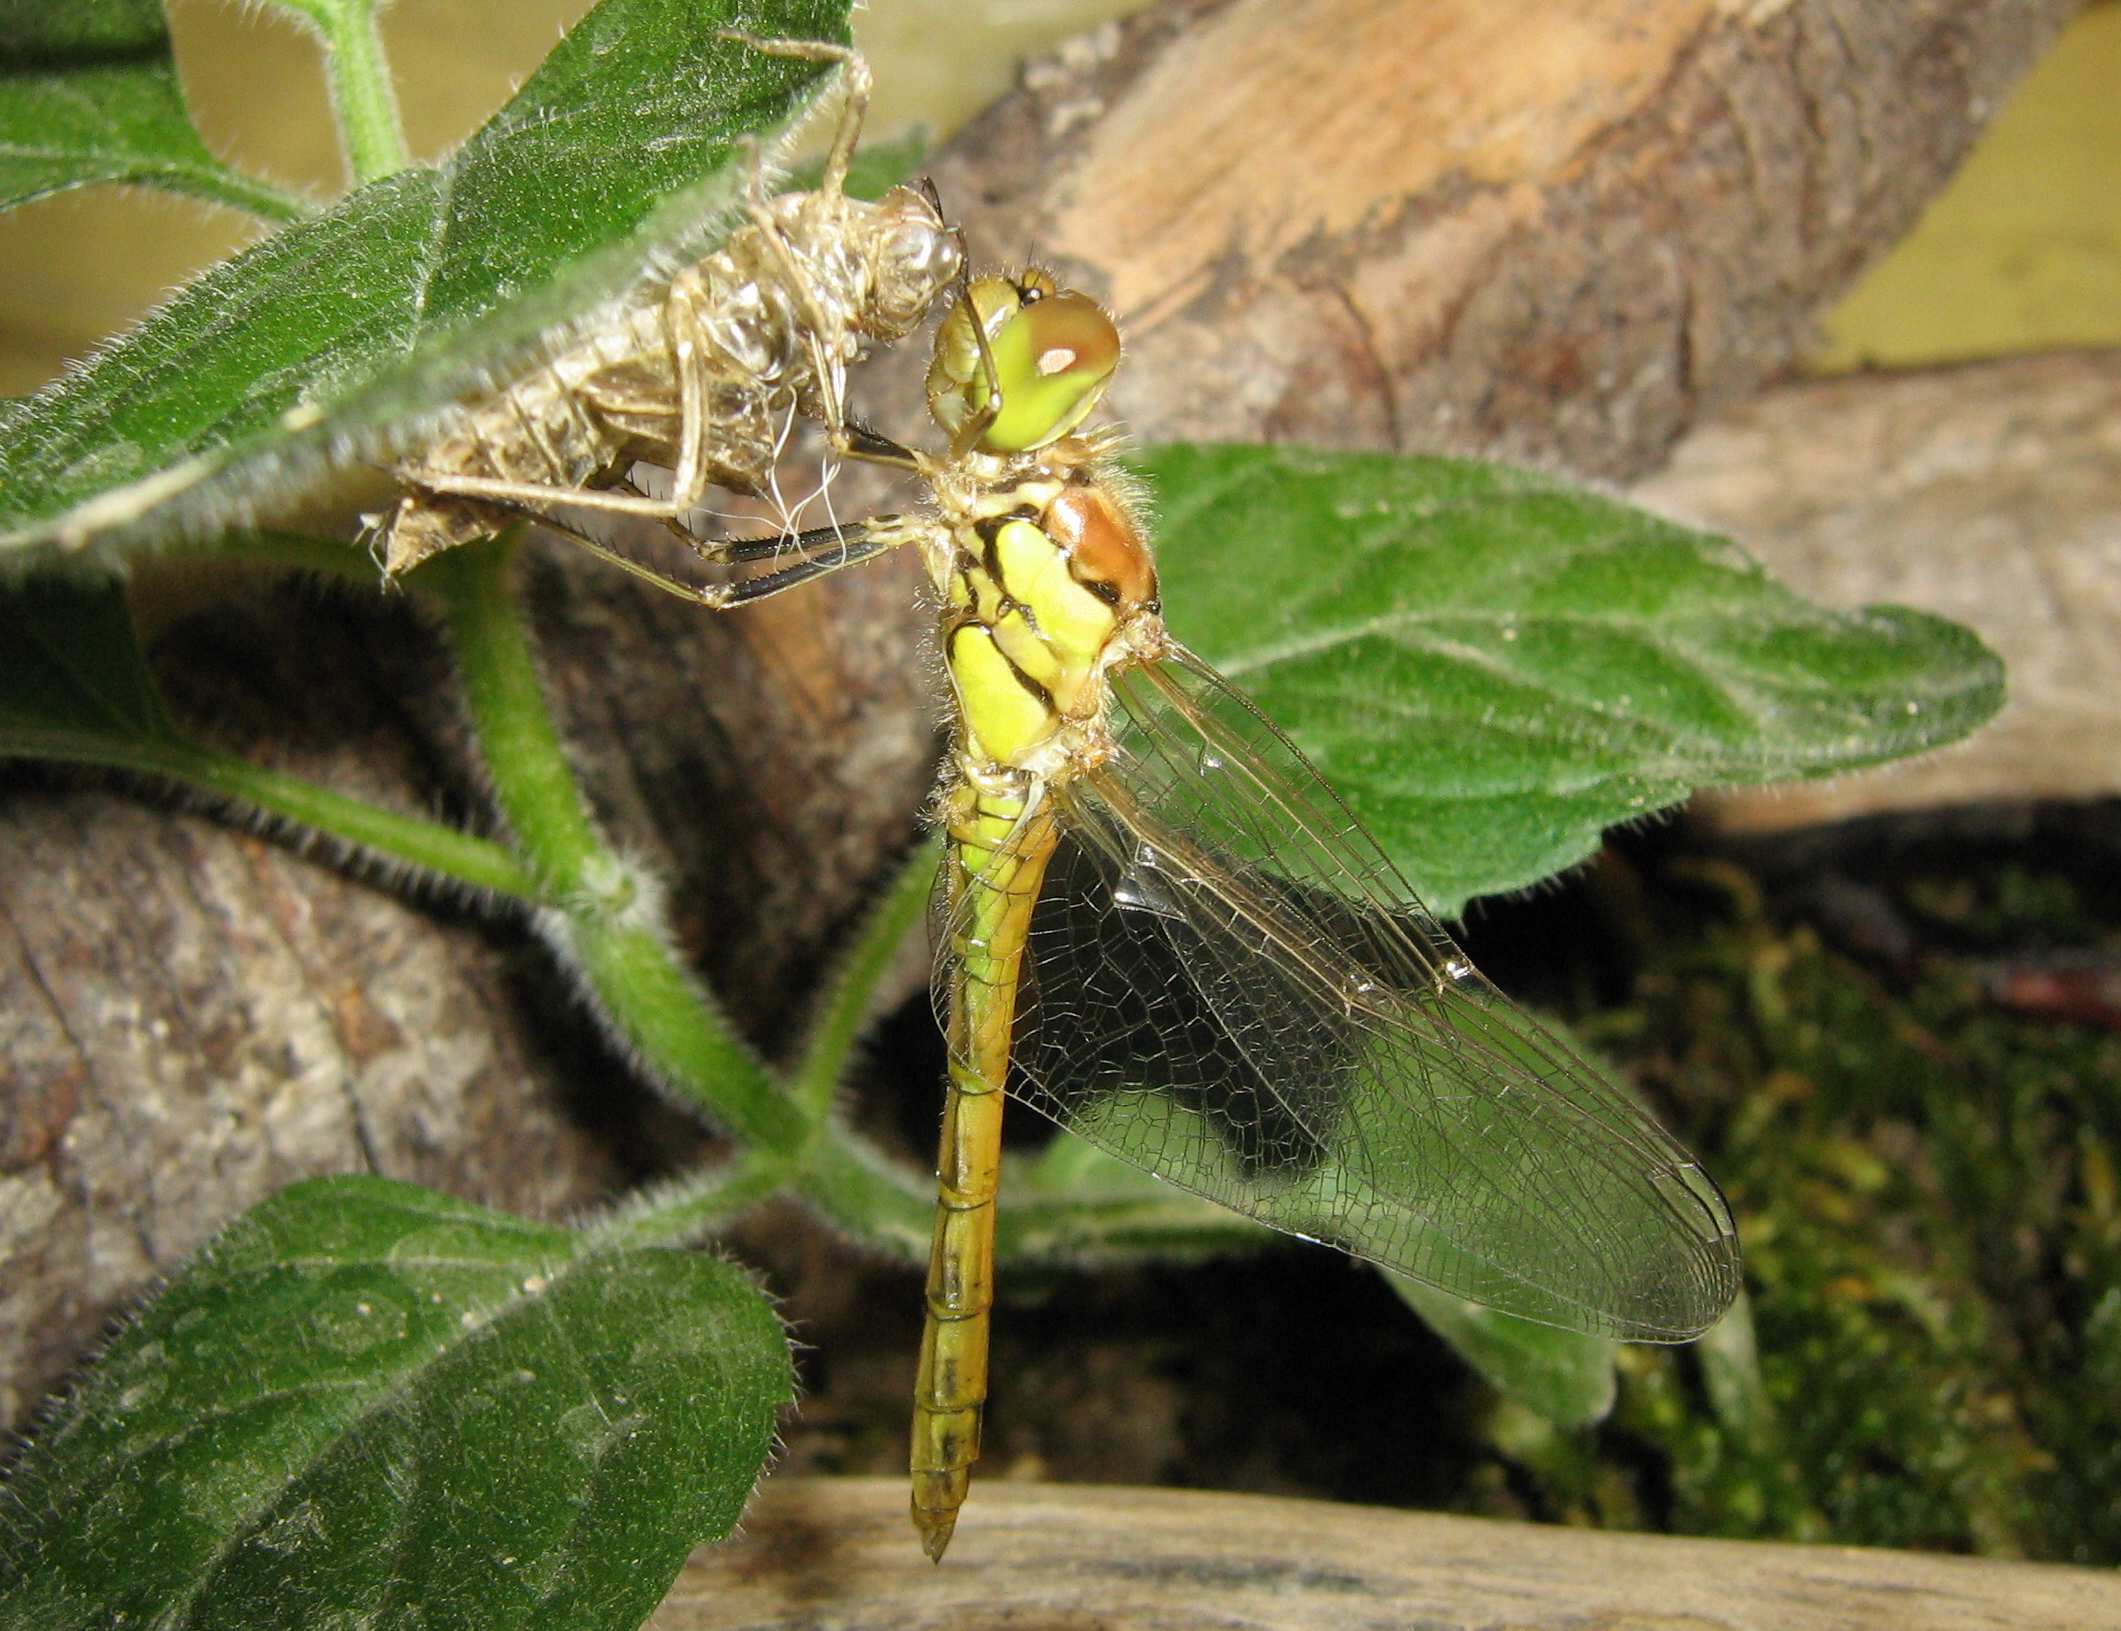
<point x="1548" y="229"/>
<point x="838" y="1551"/>
<point x="194" y="1015"/>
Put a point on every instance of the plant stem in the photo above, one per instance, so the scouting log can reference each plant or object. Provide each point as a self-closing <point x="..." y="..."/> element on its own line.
<point x="859" y="970"/>
<point x="607" y="926"/>
<point x="607" y="923"/>
<point x="1176" y="1228"/>
<point x="657" y="1008"/>
<point x="362" y="94"/>
<point x="532" y="780"/>
<point x="679" y="1213"/>
<point x="856" y="1186"/>
<point x="425" y="845"/>
<point x="220" y="184"/>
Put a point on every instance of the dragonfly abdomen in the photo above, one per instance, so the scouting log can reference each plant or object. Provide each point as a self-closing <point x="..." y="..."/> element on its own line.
<point x="1000" y="838"/>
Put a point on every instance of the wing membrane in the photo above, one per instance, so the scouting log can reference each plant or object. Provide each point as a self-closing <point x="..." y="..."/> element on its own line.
<point x="1228" y="985"/>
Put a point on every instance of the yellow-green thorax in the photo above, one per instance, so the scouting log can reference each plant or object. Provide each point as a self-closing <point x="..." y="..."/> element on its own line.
<point x="1042" y="595"/>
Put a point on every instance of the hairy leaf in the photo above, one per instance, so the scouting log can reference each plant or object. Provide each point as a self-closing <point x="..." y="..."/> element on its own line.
<point x="367" y="1402"/>
<point x="1492" y="667"/>
<point x="56" y="31"/>
<point x="89" y="93"/>
<point x="72" y="674"/>
<point x="337" y="338"/>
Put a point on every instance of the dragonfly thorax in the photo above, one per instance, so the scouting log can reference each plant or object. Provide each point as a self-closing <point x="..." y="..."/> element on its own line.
<point x="1043" y="568"/>
<point x="1044" y="594"/>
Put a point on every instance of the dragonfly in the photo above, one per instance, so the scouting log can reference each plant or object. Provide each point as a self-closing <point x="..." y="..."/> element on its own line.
<point x="1157" y="925"/>
<point x="704" y="371"/>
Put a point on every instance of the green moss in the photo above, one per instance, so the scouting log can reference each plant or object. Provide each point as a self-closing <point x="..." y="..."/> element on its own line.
<point x="1925" y="1184"/>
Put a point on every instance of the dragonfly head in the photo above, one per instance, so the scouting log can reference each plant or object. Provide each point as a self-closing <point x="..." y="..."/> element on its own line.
<point x="1052" y="350"/>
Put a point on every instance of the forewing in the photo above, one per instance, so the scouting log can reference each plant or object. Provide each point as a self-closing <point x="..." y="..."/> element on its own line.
<point x="1228" y="985"/>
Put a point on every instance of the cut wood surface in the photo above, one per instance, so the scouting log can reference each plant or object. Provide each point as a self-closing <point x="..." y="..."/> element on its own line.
<point x="1988" y="493"/>
<point x="818" y="1553"/>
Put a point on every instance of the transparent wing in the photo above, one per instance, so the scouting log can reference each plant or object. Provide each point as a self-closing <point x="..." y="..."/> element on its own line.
<point x="1228" y="985"/>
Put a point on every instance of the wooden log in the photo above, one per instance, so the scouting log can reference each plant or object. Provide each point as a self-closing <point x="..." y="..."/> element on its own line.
<point x="1543" y="229"/>
<point x="818" y="1552"/>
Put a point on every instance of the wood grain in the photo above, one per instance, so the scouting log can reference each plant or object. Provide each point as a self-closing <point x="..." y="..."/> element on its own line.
<point x="817" y="1553"/>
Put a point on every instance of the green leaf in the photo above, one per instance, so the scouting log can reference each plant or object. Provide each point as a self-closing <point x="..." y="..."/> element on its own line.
<point x="72" y="675"/>
<point x="1565" y="1376"/>
<point x="1492" y="667"/>
<point x="1730" y="1373"/>
<point x="60" y="30"/>
<point x="89" y="93"/>
<point x="329" y="341"/>
<point x="370" y="1404"/>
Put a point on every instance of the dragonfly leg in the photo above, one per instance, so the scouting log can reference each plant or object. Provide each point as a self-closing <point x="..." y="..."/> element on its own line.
<point x="534" y="497"/>
<point x="854" y="74"/>
<point x="969" y="433"/>
<point x="855" y="440"/>
<point x="795" y="576"/>
<point x="819" y="552"/>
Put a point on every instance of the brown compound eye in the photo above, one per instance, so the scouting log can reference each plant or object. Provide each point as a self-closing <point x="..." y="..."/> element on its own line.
<point x="1054" y="358"/>
<point x="1106" y="554"/>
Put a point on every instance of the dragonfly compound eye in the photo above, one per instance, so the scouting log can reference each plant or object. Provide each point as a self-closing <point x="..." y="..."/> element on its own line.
<point x="1052" y="360"/>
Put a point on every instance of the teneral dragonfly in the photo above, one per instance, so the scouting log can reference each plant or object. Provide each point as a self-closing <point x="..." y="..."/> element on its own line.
<point x="1161" y="928"/>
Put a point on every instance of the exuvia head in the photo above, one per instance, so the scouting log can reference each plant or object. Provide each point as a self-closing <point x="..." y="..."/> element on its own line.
<point x="1052" y="351"/>
<point x="914" y="259"/>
